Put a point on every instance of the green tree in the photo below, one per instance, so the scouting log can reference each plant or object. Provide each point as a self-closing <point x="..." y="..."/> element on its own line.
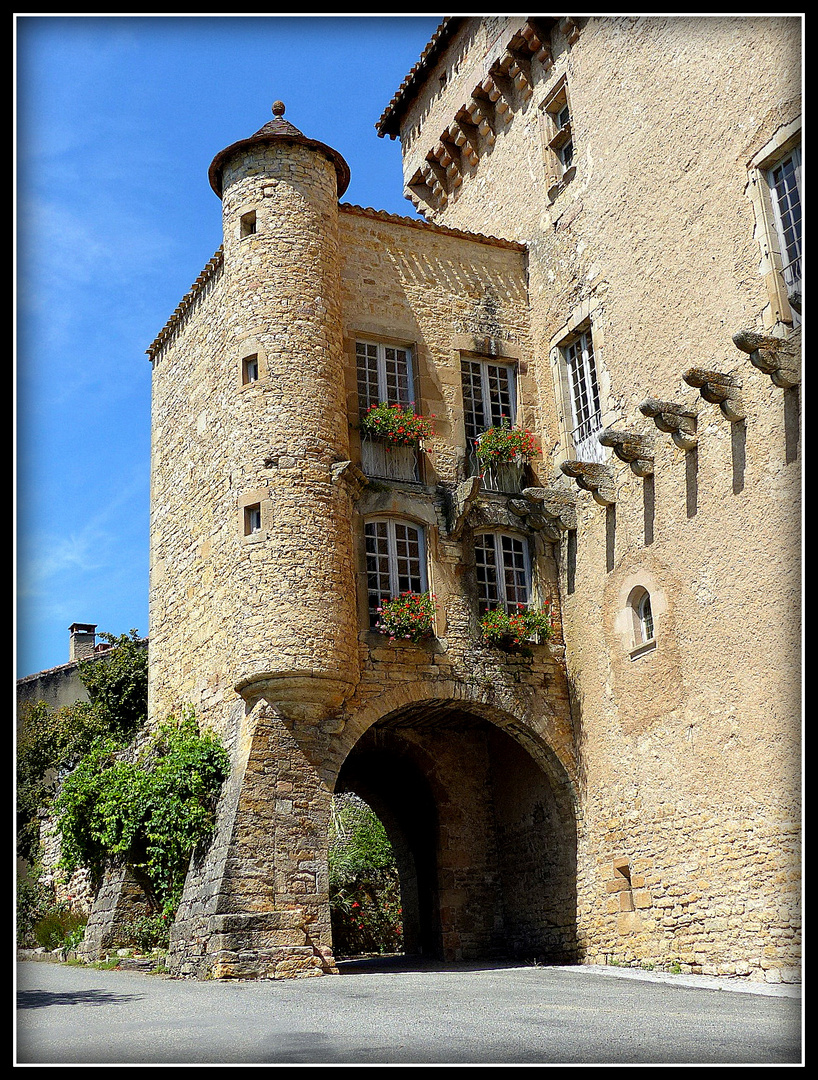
<point x="365" y="904"/>
<point x="50" y="742"/>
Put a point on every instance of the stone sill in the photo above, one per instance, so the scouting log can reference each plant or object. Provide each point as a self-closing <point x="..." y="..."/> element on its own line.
<point x="643" y="650"/>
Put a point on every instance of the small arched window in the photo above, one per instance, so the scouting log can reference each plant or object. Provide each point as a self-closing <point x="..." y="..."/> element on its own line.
<point x="643" y="629"/>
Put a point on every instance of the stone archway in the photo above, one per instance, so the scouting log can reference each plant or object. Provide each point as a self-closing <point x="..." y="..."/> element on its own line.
<point x="484" y="837"/>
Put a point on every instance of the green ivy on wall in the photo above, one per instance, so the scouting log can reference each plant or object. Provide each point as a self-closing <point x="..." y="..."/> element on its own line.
<point x="152" y="811"/>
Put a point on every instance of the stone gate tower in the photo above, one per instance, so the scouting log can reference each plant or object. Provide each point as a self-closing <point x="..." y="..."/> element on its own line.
<point x="611" y="263"/>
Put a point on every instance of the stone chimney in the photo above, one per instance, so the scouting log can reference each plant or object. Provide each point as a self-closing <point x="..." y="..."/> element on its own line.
<point x="83" y="639"/>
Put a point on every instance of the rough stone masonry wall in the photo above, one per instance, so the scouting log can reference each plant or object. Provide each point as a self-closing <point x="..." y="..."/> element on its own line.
<point x="690" y="753"/>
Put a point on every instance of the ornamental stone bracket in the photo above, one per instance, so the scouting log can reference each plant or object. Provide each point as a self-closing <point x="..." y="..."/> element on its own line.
<point x="676" y="420"/>
<point x="635" y="449"/>
<point x="598" y="479"/>
<point x="473" y="131"/>
<point x="719" y="389"/>
<point x="461" y="501"/>
<point x="348" y="473"/>
<point x="554" y="503"/>
<point x="780" y="358"/>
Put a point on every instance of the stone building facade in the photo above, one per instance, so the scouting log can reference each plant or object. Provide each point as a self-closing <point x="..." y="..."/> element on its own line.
<point x="600" y="264"/>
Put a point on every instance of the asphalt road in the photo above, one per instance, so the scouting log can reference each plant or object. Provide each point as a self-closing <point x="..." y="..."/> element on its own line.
<point x="371" y="1014"/>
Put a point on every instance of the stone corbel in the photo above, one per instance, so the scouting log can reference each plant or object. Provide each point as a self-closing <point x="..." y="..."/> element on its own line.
<point x="348" y="473"/>
<point x="479" y="110"/>
<point x="555" y="503"/>
<point x="570" y="29"/>
<point x="533" y="520"/>
<point x="539" y="49"/>
<point x="719" y="389"/>
<point x="493" y="92"/>
<point x="464" y="135"/>
<point x="780" y="358"/>
<point x="636" y="450"/>
<point x="515" y="68"/>
<point x="461" y="501"/>
<point x="598" y="479"/>
<point x="676" y="420"/>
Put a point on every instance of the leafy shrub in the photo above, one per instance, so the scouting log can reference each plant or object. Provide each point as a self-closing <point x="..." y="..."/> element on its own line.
<point x="59" y="928"/>
<point x="365" y="902"/>
<point x="50" y="742"/>
<point x="153" y="811"/>
<point x="146" y="932"/>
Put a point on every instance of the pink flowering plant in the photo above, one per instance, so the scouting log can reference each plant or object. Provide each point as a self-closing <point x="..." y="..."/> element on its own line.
<point x="409" y="616"/>
<point x="397" y="425"/>
<point x="505" y="444"/>
<point x="513" y="630"/>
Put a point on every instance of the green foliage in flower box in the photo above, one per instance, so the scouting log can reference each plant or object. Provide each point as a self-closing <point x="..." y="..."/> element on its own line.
<point x="505" y="444"/>
<point x="407" y="617"/>
<point x="398" y="425"/>
<point x="511" y="631"/>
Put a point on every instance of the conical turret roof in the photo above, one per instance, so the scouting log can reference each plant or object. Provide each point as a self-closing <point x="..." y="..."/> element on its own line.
<point x="278" y="129"/>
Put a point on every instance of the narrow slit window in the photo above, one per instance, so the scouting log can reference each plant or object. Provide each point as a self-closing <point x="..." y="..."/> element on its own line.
<point x="249" y="369"/>
<point x="248" y="223"/>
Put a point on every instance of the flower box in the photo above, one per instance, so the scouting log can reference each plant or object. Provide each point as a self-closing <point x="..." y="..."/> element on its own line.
<point x="514" y="630"/>
<point x="396" y="425"/>
<point x="410" y="616"/>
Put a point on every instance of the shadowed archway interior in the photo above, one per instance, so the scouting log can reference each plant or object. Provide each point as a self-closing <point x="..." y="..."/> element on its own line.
<point x="485" y="842"/>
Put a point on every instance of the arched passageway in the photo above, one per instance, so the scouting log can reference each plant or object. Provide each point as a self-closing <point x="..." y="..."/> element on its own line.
<point x="484" y="837"/>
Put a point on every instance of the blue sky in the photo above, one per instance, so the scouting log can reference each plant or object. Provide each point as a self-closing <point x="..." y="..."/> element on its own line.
<point x="117" y="121"/>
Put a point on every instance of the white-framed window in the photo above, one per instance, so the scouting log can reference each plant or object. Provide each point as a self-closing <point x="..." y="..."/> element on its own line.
<point x="502" y="570"/>
<point x="642" y="632"/>
<point x="784" y="179"/>
<point x="384" y="375"/>
<point x="583" y="388"/>
<point x="489" y="398"/>
<point x="395" y="560"/>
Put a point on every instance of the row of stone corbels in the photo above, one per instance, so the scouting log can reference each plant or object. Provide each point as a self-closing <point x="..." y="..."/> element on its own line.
<point x="777" y="357"/>
<point x="475" y="126"/>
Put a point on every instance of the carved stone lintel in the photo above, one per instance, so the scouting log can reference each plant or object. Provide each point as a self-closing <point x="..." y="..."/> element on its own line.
<point x="675" y="419"/>
<point x="598" y="479"/>
<point x="780" y="358"/>
<point x="635" y="449"/>
<point x="558" y="505"/>
<point x="718" y="388"/>
<point x="462" y="498"/>
<point x="348" y="473"/>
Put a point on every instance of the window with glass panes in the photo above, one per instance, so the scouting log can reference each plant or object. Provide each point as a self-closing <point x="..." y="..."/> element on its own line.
<point x="503" y="572"/>
<point x="395" y="560"/>
<point x="489" y="396"/>
<point x="785" y="189"/>
<point x="384" y="375"/>
<point x="585" y="402"/>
